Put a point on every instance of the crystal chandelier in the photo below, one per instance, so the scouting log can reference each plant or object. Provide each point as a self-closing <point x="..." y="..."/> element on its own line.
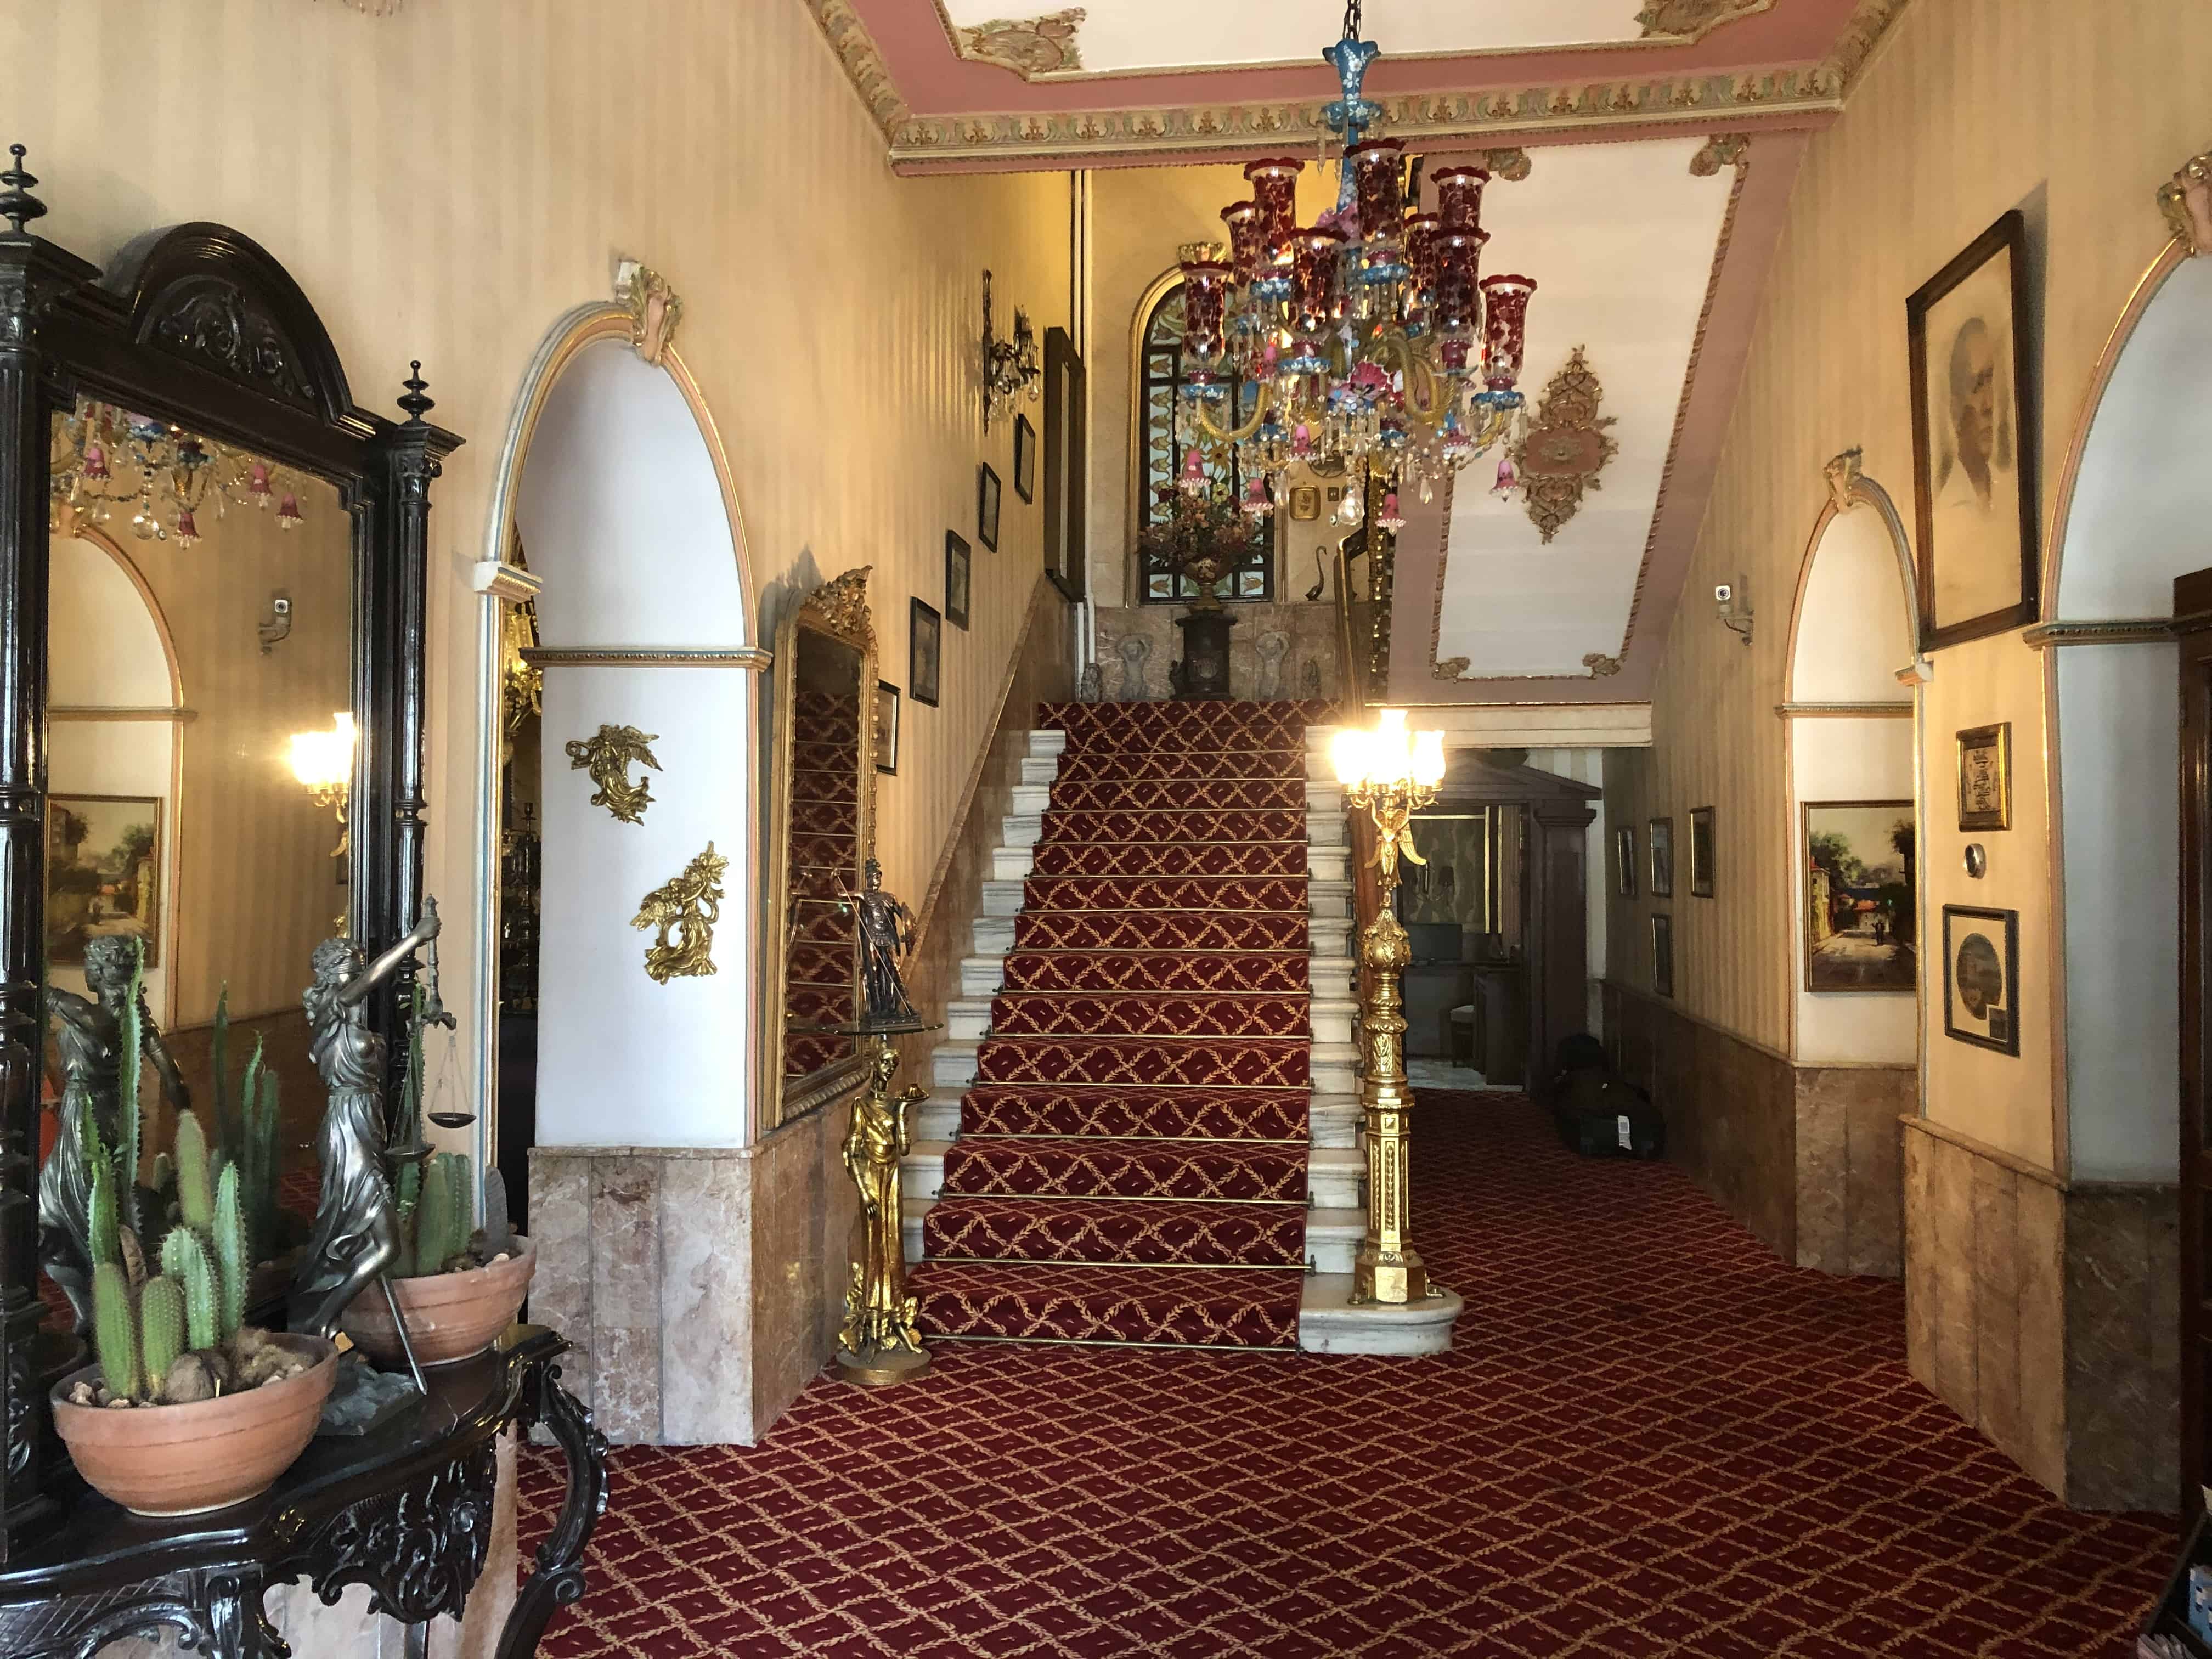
<point x="1371" y="340"/>
<point x="105" y="457"/>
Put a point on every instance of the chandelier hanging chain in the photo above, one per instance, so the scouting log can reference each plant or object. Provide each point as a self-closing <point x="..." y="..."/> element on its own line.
<point x="1364" y="341"/>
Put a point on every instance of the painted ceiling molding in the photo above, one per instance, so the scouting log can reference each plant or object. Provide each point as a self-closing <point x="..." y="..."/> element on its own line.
<point x="2186" y="201"/>
<point x="1430" y="119"/>
<point x="1566" y="447"/>
<point x="1692" y="20"/>
<point x="1030" y="46"/>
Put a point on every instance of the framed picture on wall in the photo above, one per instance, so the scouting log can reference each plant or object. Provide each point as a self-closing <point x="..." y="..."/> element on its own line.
<point x="1973" y="439"/>
<point x="1662" y="954"/>
<point x="1661" y="833"/>
<point x="1701" y="852"/>
<point x="1985" y="777"/>
<point x="1860" y="904"/>
<point x="887" y="733"/>
<point x="923" y="653"/>
<point x="1024" y="458"/>
<point x="1981" y="977"/>
<point x="987" y="506"/>
<point x="1623" y="858"/>
<point x="956" y="559"/>
<point x="1064" y="446"/>
<point x="103" y="874"/>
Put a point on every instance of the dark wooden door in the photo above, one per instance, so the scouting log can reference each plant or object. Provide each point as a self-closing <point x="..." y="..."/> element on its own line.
<point x="2192" y="605"/>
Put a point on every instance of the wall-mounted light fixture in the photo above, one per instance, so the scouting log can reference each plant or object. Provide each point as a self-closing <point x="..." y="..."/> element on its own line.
<point x="1732" y="603"/>
<point x="1010" y="367"/>
<point x="323" y="762"/>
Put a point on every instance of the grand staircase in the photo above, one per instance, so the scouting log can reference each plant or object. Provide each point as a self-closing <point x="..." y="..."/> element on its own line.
<point x="1144" y="1128"/>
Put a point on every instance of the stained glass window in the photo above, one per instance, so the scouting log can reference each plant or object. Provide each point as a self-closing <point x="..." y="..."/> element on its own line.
<point x="1164" y="434"/>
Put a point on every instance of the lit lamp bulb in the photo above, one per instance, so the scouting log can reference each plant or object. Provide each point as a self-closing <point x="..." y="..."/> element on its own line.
<point x="1348" y="754"/>
<point x="1393" y="748"/>
<point x="323" y="761"/>
<point x="1428" y="758"/>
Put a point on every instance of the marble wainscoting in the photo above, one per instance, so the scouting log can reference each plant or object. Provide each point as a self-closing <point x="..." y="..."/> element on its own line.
<point x="2046" y="1314"/>
<point x="703" y="1286"/>
<point x="1805" y="1157"/>
<point x="1296" y="633"/>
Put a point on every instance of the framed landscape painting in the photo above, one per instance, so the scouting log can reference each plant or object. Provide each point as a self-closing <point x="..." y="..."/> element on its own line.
<point x="103" y="874"/>
<point x="1861" y="899"/>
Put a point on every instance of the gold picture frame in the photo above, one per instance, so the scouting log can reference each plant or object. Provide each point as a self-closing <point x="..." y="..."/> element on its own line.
<point x="1985" y="777"/>
<point x="1305" y="503"/>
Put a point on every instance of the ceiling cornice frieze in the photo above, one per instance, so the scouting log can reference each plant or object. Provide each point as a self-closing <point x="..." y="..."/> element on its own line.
<point x="864" y="67"/>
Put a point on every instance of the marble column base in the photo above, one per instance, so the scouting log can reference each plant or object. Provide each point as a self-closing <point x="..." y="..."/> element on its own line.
<point x="703" y="1286"/>
<point x="2046" y="1314"/>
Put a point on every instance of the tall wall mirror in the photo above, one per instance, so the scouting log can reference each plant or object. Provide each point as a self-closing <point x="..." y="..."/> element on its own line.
<point x="824" y="796"/>
<point x="200" y="643"/>
<point x="211" y="731"/>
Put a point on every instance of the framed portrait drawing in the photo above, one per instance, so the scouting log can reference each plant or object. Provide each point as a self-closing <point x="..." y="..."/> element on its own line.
<point x="1024" y="458"/>
<point x="1701" y="851"/>
<point x="1974" y="440"/>
<point x="887" y="733"/>
<point x="987" y="506"/>
<point x="957" y="570"/>
<point x="1985" y="777"/>
<point x="1065" y="446"/>
<point x="924" y="651"/>
<point x="1981" y="977"/>
<point x="103" y="874"/>
<point x="1861" y="901"/>
<point x="1662" y="835"/>
<point x="1623" y="858"/>
<point x="1663" y="954"/>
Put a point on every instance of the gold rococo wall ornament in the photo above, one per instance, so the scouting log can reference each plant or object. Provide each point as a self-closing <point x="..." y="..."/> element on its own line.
<point x="839" y="607"/>
<point x="1566" y="447"/>
<point x="687" y="906"/>
<point x="608" y="757"/>
<point x="2186" y="201"/>
<point x="1030" y="46"/>
<point x="655" y="308"/>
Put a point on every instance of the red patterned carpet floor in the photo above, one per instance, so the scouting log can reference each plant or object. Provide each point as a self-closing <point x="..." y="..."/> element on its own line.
<point x="1652" y="1437"/>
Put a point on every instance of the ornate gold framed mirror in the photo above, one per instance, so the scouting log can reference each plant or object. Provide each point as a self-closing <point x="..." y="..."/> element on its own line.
<point x="824" y="829"/>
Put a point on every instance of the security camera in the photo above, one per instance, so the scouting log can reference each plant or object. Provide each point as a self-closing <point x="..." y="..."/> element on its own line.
<point x="1722" y="593"/>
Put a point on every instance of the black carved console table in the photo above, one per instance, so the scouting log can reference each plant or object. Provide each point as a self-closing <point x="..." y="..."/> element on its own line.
<point x="406" y="1510"/>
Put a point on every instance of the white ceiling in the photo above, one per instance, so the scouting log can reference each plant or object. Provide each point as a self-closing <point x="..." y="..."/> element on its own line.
<point x="1620" y="238"/>
<point x="1121" y="35"/>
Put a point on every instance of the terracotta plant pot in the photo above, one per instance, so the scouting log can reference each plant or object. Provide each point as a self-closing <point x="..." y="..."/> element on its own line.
<point x="449" y="1316"/>
<point x="183" y="1460"/>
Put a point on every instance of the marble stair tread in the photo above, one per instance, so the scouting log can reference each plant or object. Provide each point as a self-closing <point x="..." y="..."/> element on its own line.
<point x="968" y="1019"/>
<point x="1334" y="1175"/>
<point x="1333" y="1120"/>
<point x="1333" y="974"/>
<point x="1333" y="1067"/>
<point x="1044" y="742"/>
<point x="1021" y="829"/>
<point x="1329" y="900"/>
<point x="1331" y="1019"/>
<point x="983" y="976"/>
<point x="1328" y="1322"/>
<point x="952" y="1065"/>
<point x="1333" y="1238"/>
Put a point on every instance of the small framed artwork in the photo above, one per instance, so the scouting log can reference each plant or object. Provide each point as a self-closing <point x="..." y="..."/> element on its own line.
<point x="103" y="874"/>
<point x="1305" y="502"/>
<point x="1624" y="857"/>
<point x="887" y="732"/>
<point x="1662" y="858"/>
<point x="956" y="579"/>
<point x="1973" y="439"/>
<point x="923" y="653"/>
<point x="1024" y="458"/>
<point x="1985" y="777"/>
<point x="1701" y="852"/>
<point x="1662" y="954"/>
<point x="1065" y="438"/>
<point x="1981" y="977"/>
<point x="987" y="506"/>
<point x="1861" y="903"/>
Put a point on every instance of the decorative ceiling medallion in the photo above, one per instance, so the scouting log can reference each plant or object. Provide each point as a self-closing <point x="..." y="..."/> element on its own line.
<point x="1566" y="447"/>
<point x="1509" y="164"/>
<point x="1601" y="667"/>
<point x="2186" y="201"/>
<point x="1692" y="20"/>
<point x="1452" y="668"/>
<point x="1029" y="46"/>
<point x="1722" y="149"/>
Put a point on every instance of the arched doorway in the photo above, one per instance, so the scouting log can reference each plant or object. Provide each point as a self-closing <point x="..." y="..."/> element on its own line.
<point x="1855" y="1027"/>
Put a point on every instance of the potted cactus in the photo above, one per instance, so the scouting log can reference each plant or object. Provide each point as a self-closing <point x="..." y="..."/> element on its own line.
<point x="457" y="1286"/>
<point x="187" y="1408"/>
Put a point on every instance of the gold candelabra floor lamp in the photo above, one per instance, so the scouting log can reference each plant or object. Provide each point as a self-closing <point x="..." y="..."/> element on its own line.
<point x="1391" y="774"/>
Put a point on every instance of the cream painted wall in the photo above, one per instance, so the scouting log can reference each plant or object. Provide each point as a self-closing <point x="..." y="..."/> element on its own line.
<point x="1973" y="106"/>
<point x="446" y="181"/>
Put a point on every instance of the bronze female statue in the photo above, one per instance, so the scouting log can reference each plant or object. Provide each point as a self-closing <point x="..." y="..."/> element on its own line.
<point x="356" y="1233"/>
<point x="88" y="1037"/>
<point x="886" y="932"/>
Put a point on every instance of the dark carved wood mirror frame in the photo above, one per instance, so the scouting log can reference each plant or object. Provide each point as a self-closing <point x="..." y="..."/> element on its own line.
<point x="200" y="326"/>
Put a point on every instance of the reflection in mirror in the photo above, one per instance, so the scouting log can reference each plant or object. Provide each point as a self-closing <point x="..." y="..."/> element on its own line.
<point x="201" y="757"/>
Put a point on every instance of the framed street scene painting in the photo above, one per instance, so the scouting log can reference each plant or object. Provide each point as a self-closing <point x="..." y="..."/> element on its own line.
<point x="1981" y="977"/>
<point x="1973" y="439"/>
<point x="1662" y="858"/>
<point x="1860" y="899"/>
<point x="103" y="874"/>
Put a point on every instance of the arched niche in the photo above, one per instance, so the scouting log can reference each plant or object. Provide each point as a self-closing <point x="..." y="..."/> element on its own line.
<point x="1851" y="739"/>
<point x="615" y="485"/>
<point x="114" y="703"/>
<point x="2134" y="497"/>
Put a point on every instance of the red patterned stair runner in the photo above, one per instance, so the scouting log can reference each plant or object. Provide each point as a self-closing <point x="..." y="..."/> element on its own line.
<point x="1131" y="1160"/>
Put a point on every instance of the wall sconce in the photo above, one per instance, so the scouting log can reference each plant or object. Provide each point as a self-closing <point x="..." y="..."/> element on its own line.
<point x="277" y="625"/>
<point x="323" y="762"/>
<point x="1010" y="367"/>
<point x="1732" y="603"/>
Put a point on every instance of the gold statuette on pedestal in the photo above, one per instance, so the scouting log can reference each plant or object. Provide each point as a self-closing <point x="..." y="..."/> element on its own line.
<point x="879" y="1343"/>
